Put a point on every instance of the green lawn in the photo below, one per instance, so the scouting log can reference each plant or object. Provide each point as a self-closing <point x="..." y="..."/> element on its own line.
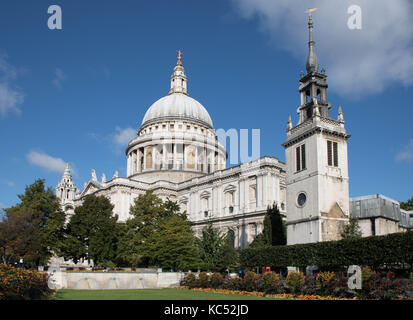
<point x="149" y="294"/>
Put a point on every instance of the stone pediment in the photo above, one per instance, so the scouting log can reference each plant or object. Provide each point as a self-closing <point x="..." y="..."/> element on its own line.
<point x="91" y="187"/>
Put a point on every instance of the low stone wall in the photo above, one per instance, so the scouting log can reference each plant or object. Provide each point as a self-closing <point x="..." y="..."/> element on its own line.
<point x="62" y="279"/>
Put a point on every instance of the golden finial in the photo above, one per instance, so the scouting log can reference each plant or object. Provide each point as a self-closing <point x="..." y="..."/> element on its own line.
<point x="179" y="52"/>
<point x="67" y="165"/>
<point x="311" y="10"/>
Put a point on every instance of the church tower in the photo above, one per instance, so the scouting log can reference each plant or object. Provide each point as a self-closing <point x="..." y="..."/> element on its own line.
<point x="316" y="158"/>
<point x="66" y="191"/>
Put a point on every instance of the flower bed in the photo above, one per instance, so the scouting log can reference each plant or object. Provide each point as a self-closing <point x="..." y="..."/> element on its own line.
<point x="263" y="294"/>
<point x="21" y="284"/>
<point x="322" y="286"/>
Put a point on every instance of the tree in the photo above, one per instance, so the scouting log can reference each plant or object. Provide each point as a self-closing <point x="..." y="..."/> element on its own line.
<point x="38" y="222"/>
<point x="278" y="228"/>
<point x="352" y="230"/>
<point x="228" y="255"/>
<point x="91" y="233"/>
<point x="274" y="232"/>
<point x="172" y="245"/>
<point x="209" y="247"/>
<point x="18" y="237"/>
<point x="408" y="205"/>
<point x="145" y="213"/>
<point x="152" y="220"/>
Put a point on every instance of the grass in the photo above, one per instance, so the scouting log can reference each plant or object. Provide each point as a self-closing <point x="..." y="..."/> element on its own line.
<point x="149" y="294"/>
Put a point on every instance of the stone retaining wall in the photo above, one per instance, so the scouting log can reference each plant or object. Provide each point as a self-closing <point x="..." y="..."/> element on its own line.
<point x="62" y="279"/>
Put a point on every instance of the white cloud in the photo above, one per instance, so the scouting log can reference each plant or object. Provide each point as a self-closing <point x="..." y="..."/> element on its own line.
<point x="406" y="155"/>
<point x="10" y="95"/>
<point x="59" y="78"/>
<point x="356" y="61"/>
<point x="7" y="182"/>
<point x="123" y="136"/>
<point x="47" y="162"/>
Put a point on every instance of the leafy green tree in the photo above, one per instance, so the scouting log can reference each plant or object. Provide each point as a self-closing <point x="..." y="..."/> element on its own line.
<point x="352" y="230"/>
<point x="209" y="246"/>
<point x="228" y="255"/>
<point x="146" y="212"/>
<point x="408" y="205"/>
<point x="274" y="232"/>
<point x="216" y="249"/>
<point x="278" y="227"/>
<point x="91" y="233"/>
<point x="144" y="231"/>
<point x="18" y="237"/>
<point x="40" y="216"/>
<point x="172" y="245"/>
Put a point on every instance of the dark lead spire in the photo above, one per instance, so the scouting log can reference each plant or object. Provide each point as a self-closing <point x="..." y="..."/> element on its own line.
<point x="312" y="60"/>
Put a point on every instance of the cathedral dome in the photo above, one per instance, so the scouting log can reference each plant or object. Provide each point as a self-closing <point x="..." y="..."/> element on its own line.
<point x="177" y="106"/>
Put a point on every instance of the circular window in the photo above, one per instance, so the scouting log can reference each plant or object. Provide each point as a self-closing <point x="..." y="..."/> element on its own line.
<point x="301" y="199"/>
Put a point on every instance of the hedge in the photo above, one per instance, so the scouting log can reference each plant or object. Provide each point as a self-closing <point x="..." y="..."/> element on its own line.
<point x="375" y="251"/>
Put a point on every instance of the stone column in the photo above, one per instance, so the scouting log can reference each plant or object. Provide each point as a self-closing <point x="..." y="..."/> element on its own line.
<point x="134" y="169"/>
<point x="265" y="190"/>
<point x="246" y="195"/>
<point x="241" y="195"/>
<point x="220" y="204"/>
<point x="259" y="192"/>
<point x="184" y="156"/>
<point x="276" y="185"/>
<point x="128" y="165"/>
<point x="164" y="152"/>
<point x="237" y="237"/>
<point x="144" y="158"/>
<point x="196" y="159"/>
<point x="153" y="158"/>
<point x="174" y="166"/>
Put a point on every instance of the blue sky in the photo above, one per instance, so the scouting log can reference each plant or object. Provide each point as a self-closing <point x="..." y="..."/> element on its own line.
<point x="75" y="95"/>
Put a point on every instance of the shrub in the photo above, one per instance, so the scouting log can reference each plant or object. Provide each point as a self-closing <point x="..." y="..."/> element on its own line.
<point x="366" y="273"/>
<point x="20" y="284"/>
<point x="310" y="286"/>
<point x="326" y="282"/>
<point x="216" y="280"/>
<point x="383" y="286"/>
<point x="295" y="281"/>
<point x="250" y="280"/>
<point x="189" y="280"/>
<point x="270" y="282"/>
<point x="411" y="282"/>
<point x="203" y="279"/>
<point x="281" y="287"/>
<point x="341" y="289"/>
<point x="236" y="284"/>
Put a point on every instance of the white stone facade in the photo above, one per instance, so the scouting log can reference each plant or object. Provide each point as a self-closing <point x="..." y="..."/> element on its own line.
<point x="176" y="154"/>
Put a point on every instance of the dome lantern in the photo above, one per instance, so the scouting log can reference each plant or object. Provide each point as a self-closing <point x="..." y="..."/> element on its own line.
<point x="178" y="78"/>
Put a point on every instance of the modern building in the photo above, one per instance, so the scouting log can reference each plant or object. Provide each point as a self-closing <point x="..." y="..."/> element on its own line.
<point x="380" y="215"/>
